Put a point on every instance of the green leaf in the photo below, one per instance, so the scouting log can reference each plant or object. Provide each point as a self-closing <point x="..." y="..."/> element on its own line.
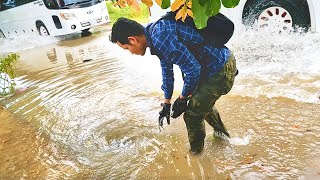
<point x="201" y="2"/>
<point x="165" y="4"/>
<point x="230" y="3"/>
<point x="199" y="12"/>
<point x="7" y="65"/>
<point x="213" y="7"/>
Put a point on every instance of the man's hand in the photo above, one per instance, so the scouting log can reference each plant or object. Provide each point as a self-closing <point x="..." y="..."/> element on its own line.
<point x="164" y="113"/>
<point x="179" y="106"/>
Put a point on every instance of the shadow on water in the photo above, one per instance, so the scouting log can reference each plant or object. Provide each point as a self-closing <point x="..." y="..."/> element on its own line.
<point x="88" y="110"/>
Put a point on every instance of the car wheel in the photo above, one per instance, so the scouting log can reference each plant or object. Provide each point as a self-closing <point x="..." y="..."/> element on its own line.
<point x="42" y="29"/>
<point x="86" y="30"/>
<point x="278" y="15"/>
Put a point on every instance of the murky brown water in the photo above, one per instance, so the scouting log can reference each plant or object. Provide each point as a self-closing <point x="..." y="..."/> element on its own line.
<point x="87" y="110"/>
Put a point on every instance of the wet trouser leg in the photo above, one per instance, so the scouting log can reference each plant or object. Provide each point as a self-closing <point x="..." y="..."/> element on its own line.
<point x="213" y="118"/>
<point x="201" y="104"/>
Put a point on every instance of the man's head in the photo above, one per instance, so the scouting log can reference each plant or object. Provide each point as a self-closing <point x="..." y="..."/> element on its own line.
<point x="129" y="34"/>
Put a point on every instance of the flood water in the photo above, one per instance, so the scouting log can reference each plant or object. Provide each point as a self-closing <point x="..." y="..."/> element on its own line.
<point x="86" y="109"/>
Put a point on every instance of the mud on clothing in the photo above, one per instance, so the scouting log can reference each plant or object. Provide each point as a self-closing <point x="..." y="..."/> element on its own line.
<point x="201" y="104"/>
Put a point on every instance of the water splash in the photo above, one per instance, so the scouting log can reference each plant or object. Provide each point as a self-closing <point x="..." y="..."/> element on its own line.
<point x="245" y="140"/>
<point x="277" y="65"/>
<point x="240" y="141"/>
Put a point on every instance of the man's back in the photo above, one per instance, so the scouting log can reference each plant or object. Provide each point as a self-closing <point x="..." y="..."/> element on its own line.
<point x="166" y="36"/>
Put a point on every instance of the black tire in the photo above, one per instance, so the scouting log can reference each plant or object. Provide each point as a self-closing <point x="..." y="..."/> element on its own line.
<point x="42" y="29"/>
<point x="85" y="30"/>
<point x="298" y="9"/>
<point x="2" y="34"/>
<point x="85" y="33"/>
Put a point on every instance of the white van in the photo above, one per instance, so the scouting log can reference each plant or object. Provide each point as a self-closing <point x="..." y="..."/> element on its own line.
<point x="50" y="17"/>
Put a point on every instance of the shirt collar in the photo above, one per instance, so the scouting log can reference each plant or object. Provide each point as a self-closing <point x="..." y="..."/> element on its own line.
<point x="149" y="39"/>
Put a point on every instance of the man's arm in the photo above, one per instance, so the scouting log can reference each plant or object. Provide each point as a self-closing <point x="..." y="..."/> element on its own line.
<point x="178" y="53"/>
<point x="167" y="80"/>
<point x="167" y="87"/>
<point x="173" y="51"/>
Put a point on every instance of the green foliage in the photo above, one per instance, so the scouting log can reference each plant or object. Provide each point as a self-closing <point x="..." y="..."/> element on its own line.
<point x="203" y="9"/>
<point x="7" y="65"/>
<point x="199" y="13"/>
<point x="115" y="13"/>
<point x="213" y="7"/>
<point x="165" y="4"/>
<point x="230" y="3"/>
<point x="202" y="2"/>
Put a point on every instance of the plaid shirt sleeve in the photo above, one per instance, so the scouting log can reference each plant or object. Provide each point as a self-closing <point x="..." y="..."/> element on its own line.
<point x="167" y="79"/>
<point x="174" y="52"/>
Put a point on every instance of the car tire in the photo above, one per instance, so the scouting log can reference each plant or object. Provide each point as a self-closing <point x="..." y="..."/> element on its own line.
<point x="85" y="30"/>
<point x="42" y="29"/>
<point x="281" y="12"/>
<point x="85" y="33"/>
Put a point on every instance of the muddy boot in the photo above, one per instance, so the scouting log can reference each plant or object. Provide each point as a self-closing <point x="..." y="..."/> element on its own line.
<point x="213" y="118"/>
<point x="219" y="129"/>
<point x="196" y="132"/>
<point x="197" y="147"/>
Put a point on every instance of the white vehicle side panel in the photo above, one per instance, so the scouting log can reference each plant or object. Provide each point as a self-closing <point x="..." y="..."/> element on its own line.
<point x="22" y="19"/>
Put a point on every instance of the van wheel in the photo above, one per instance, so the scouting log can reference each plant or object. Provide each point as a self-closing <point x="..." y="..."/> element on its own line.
<point x="86" y="30"/>
<point x="42" y="29"/>
<point x="277" y="15"/>
<point x="2" y="34"/>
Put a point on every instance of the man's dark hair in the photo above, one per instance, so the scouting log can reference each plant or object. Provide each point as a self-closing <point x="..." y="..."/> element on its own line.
<point x="123" y="28"/>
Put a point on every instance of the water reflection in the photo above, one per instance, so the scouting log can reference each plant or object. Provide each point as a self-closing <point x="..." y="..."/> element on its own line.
<point x="52" y="55"/>
<point x="71" y="55"/>
<point x="98" y="119"/>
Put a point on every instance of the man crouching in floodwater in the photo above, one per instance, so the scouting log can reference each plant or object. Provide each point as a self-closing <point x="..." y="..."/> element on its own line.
<point x="208" y="71"/>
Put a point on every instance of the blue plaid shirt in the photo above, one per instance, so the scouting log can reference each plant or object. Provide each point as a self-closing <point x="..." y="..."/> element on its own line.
<point x="169" y="41"/>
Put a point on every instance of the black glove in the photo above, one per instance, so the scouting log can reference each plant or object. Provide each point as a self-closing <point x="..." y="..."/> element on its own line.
<point x="165" y="112"/>
<point x="179" y="107"/>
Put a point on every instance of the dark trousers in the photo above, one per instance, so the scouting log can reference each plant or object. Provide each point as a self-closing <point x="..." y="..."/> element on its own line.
<point x="201" y="104"/>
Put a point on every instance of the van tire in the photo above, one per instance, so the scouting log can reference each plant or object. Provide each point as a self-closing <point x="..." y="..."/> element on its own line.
<point x="298" y="9"/>
<point x="85" y="30"/>
<point x="42" y="29"/>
